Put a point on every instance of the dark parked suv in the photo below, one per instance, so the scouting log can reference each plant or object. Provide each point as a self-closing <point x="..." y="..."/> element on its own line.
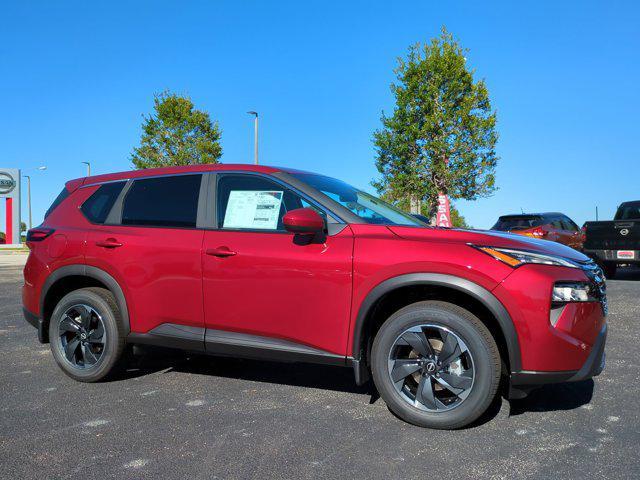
<point x="279" y="264"/>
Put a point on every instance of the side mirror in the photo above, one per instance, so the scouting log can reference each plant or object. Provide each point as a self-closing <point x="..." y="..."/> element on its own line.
<point x="304" y="221"/>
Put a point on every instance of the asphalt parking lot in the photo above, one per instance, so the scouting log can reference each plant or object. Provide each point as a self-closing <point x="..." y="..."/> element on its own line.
<point x="174" y="416"/>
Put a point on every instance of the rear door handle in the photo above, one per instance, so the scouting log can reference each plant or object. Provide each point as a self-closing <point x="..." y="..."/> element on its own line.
<point x="220" y="252"/>
<point x="109" y="243"/>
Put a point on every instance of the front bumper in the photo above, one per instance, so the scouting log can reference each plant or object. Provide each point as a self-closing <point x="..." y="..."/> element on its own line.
<point x="524" y="381"/>
<point x="36" y="322"/>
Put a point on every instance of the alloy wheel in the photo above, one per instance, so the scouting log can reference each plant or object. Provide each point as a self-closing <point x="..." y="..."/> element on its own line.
<point x="431" y="368"/>
<point x="82" y="336"/>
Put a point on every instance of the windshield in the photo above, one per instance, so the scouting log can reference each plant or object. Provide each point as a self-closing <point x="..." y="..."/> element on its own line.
<point x="628" y="211"/>
<point x="519" y="222"/>
<point x="365" y="206"/>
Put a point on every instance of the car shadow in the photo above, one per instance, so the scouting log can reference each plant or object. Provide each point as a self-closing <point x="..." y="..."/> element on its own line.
<point x="555" y="397"/>
<point x="149" y="360"/>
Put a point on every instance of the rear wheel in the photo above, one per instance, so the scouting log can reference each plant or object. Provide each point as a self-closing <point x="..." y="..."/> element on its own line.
<point x="436" y="365"/>
<point x="86" y="336"/>
<point x="609" y="269"/>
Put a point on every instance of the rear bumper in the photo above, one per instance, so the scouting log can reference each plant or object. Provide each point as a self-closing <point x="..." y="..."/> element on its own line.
<point x="611" y="256"/>
<point x="523" y="381"/>
<point x="36" y="322"/>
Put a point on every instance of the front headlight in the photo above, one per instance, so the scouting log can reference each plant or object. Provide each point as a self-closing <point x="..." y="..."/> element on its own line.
<point x="566" y="292"/>
<point x="515" y="258"/>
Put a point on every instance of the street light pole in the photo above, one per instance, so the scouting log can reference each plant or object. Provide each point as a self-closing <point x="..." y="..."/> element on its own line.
<point x="255" y="137"/>
<point x="88" y="164"/>
<point x="28" y="177"/>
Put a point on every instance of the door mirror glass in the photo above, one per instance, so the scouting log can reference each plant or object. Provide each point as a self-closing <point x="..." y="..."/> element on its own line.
<point x="304" y="221"/>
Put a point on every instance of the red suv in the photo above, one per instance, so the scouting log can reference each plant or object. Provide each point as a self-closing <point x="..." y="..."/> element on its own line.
<point x="553" y="226"/>
<point x="279" y="264"/>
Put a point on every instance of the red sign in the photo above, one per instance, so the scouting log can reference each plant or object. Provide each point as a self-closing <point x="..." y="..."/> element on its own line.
<point x="444" y="212"/>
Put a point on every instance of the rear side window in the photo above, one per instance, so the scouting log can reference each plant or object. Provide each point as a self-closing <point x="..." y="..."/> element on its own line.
<point x="163" y="202"/>
<point x="98" y="205"/>
<point x="59" y="199"/>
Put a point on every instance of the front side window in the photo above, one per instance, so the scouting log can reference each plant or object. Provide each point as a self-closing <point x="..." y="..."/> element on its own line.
<point x="97" y="207"/>
<point x="569" y="225"/>
<point x="371" y="209"/>
<point x="170" y="201"/>
<point x="250" y="202"/>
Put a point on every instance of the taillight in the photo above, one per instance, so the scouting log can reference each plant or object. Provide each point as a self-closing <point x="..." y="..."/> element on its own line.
<point x="535" y="233"/>
<point x="39" y="234"/>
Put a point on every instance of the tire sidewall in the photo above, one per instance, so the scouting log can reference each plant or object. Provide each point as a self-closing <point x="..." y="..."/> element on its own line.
<point x="485" y="374"/>
<point x="110" y="354"/>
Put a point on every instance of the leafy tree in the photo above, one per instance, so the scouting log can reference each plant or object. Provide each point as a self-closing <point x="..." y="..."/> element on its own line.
<point x="441" y="136"/>
<point x="177" y="134"/>
<point x="457" y="220"/>
<point x="23" y="227"/>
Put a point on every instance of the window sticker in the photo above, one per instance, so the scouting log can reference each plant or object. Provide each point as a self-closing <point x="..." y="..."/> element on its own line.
<point x="255" y="209"/>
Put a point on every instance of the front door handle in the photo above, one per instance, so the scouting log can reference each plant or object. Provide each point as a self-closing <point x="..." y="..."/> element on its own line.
<point x="109" y="243"/>
<point x="220" y="252"/>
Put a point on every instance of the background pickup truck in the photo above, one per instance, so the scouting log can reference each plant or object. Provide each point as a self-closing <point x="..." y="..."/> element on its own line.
<point x="616" y="242"/>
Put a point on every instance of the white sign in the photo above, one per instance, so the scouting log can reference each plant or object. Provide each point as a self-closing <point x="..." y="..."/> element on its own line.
<point x="253" y="209"/>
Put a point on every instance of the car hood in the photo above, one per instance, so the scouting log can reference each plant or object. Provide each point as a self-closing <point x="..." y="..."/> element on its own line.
<point x="489" y="238"/>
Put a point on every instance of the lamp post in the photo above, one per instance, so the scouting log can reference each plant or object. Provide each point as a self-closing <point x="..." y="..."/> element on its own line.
<point x="88" y="164"/>
<point x="28" y="177"/>
<point x="255" y="137"/>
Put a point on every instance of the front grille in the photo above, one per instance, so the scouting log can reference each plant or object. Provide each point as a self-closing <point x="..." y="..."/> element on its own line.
<point x="597" y="283"/>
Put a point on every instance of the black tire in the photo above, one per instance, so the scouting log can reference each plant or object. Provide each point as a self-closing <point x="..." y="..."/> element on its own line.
<point x="609" y="270"/>
<point x="479" y="342"/>
<point x="110" y="351"/>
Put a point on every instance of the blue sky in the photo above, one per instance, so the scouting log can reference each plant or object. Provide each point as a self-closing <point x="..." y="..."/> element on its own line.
<point x="76" y="78"/>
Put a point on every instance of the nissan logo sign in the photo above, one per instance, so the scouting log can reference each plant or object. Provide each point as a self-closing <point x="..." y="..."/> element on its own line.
<point x="624" y="231"/>
<point x="7" y="183"/>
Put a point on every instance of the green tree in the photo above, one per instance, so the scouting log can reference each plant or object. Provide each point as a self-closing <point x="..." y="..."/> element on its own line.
<point x="177" y="134"/>
<point x="23" y="227"/>
<point x="441" y="136"/>
<point x="457" y="220"/>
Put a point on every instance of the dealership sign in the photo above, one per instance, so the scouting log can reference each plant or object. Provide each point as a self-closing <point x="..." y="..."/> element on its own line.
<point x="7" y="183"/>
<point x="10" y="196"/>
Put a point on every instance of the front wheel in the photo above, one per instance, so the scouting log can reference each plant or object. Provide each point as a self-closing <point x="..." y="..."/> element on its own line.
<point x="436" y="365"/>
<point x="85" y="332"/>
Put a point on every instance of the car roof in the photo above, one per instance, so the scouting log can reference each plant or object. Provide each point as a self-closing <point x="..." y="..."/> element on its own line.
<point x="178" y="170"/>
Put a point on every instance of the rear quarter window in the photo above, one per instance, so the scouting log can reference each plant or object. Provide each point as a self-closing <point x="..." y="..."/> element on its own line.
<point x="97" y="207"/>
<point x="59" y="199"/>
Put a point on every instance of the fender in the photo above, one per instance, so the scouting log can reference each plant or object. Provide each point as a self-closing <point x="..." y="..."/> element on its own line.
<point x="484" y="296"/>
<point x="95" y="273"/>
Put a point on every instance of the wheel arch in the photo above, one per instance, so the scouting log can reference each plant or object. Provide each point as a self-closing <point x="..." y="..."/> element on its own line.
<point x="433" y="282"/>
<point x="72" y="277"/>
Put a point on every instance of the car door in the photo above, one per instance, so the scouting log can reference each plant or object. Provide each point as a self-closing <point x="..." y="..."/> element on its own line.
<point x="264" y="282"/>
<point x="151" y="245"/>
